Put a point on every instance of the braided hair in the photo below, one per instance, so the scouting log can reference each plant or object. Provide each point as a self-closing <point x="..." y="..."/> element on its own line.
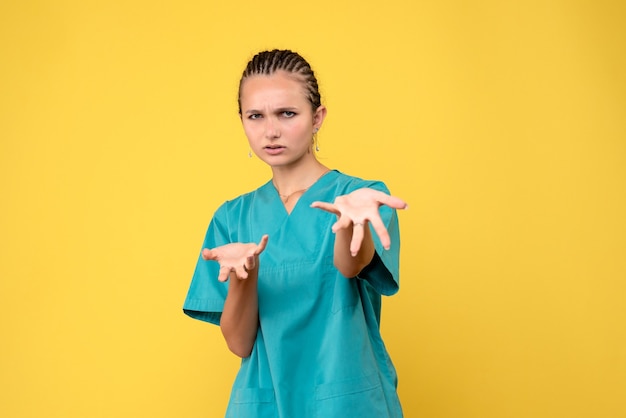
<point x="269" y="62"/>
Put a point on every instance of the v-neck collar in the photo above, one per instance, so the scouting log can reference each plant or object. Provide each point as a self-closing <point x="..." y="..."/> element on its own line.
<point x="306" y="196"/>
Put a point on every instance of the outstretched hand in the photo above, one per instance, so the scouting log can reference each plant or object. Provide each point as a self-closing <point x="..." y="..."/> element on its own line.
<point x="356" y="209"/>
<point x="237" y="257"/>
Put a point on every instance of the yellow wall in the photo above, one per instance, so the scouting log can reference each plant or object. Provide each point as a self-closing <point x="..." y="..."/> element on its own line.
<point x="502" y="124"/>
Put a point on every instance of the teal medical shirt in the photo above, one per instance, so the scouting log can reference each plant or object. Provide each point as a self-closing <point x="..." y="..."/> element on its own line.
<point x="318" y="351"/>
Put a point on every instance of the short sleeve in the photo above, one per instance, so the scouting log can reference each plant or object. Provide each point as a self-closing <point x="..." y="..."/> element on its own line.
<point x="383" y="271"/>
<point x="206" y="295"/>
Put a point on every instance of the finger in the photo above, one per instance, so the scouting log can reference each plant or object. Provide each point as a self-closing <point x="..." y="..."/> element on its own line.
<point x="262" y="244"/>
<point x="358" y="231"/>
<point x="241" y="272"/>
<point x="342" y="223"/>
<point x="381" y="231"/>
<point x="391" y="201"/>
<point x="224" y="273"/>
<point x="250" y="263"/>
<point x="328" y="207"/>
<point x="207" y="254"/>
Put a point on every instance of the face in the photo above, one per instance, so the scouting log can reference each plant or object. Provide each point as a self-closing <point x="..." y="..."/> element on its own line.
<point x="278" y="120"/>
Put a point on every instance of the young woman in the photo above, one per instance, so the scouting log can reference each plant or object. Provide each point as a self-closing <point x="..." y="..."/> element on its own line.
<point x="293" y="272"/>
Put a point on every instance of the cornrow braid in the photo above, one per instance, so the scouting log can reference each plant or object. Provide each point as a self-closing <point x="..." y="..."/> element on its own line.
<point x="268" y="62"/>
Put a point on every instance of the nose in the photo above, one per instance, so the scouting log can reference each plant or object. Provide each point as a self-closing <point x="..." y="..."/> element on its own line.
<point x="271" y="128"/>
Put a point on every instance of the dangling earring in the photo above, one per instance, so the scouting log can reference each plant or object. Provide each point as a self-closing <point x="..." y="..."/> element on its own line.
<point x="317" y="145"/>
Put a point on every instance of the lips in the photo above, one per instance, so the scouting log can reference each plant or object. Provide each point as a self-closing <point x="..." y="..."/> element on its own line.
<point x="274" y="149"/>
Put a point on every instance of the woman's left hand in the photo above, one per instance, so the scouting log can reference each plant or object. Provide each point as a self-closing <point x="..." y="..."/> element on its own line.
<point x="356" y="209"/>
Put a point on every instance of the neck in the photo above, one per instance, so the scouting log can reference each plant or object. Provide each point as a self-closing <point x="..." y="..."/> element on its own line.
<point x="290" y="182"/>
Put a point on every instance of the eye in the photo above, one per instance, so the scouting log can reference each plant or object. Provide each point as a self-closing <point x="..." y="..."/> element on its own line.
<point x="254" y="116"/>
<point x="289" y="114"/>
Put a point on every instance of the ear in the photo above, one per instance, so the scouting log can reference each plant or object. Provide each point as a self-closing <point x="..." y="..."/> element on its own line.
<point x="319" y="116"/>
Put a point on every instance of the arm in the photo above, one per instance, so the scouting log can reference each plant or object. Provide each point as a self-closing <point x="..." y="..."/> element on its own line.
<point x="240" y="317"/>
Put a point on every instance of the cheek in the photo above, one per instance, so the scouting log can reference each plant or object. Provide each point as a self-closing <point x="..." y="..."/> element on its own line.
<point x="305" y="132"/>
<point x="294" y="128"/>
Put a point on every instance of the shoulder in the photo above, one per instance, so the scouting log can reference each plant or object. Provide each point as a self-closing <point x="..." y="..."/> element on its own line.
<point x="228" y="217"/>
<point x="350" y="183"/>
<point x="243" y="200"/>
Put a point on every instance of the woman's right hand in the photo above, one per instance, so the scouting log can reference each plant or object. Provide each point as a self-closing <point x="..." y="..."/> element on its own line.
<point x="237" y="258"/>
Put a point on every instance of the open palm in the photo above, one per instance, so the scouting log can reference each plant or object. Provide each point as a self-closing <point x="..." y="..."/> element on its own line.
<point x="358" y="208"/>
<point x="239" y="258"/>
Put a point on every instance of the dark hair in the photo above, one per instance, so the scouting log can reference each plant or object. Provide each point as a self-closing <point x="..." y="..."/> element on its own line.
<point x="268" y="62"/>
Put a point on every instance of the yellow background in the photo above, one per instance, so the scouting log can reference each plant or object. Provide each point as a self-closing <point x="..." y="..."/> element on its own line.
<point x="502" y="123"/>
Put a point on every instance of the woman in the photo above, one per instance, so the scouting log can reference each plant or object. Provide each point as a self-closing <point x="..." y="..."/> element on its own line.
<point x="302" y="306"/>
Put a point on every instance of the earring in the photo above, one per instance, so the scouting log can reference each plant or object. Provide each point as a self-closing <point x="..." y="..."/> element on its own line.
<point x="250" y="154"/>
<point x="317" y="145"/>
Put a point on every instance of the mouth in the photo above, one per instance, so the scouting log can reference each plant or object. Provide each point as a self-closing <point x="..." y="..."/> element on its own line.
<point x="274" y="149"/>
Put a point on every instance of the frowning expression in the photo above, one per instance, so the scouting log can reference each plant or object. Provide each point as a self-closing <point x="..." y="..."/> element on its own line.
<point x="278" y="118"/>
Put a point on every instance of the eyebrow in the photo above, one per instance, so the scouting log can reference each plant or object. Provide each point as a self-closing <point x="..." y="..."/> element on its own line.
<point x="277" y="110"/>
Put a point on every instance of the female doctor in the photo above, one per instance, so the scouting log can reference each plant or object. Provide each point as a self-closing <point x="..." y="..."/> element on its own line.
<point x="293" y="272"/>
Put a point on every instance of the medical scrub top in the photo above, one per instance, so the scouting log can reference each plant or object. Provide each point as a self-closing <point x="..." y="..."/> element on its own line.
<point x="318" y="350"/>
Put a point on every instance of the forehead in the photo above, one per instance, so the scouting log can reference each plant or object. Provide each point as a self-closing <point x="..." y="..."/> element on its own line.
<point x="280" y="86"/>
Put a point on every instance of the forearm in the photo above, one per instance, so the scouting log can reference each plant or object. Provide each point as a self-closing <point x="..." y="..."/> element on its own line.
<point x="344" y="261"/>
<point x="240" y="317"/>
